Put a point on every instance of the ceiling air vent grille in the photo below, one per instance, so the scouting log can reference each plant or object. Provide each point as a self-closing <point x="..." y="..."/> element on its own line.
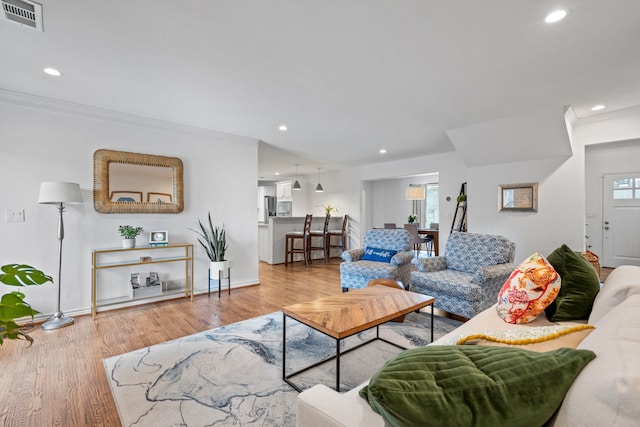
<point x="23" y="12"/>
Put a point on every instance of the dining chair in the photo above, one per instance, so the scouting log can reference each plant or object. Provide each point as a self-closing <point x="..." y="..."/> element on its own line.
<point x="390" y="225"/>
<point x="305" y="237"/>
<point x="417" y="240"/>
<point x="321" y="238"/>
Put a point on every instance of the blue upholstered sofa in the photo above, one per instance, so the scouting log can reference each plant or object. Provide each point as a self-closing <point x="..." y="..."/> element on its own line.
<point x="466" y="280"/>
<point x="355" y="272"/>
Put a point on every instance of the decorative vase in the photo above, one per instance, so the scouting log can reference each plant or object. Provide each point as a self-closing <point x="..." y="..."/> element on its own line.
<point x="128" y="243"/>
<point x="216" y="266"/>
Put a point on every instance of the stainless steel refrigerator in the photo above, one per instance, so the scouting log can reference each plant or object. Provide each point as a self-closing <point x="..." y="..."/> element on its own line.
<point x="268" y="209"/>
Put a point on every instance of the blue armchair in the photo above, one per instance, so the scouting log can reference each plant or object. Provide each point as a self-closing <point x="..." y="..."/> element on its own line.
<point x="466" y="280"/>
<point x="355" y="273"/>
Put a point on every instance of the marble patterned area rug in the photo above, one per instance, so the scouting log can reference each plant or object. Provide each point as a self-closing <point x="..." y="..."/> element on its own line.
<point x="232" y="375"/>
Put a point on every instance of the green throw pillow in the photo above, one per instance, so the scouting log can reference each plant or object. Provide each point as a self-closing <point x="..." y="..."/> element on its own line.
<point x="580" y="285"/>
<point x="479" y="386"/>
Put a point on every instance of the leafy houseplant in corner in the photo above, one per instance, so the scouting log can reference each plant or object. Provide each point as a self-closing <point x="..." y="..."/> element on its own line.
<point x="12" y="304"/>
<point x="214" y="241"/>
<point x="129" y="234"/>
<point x="412" y="218"/>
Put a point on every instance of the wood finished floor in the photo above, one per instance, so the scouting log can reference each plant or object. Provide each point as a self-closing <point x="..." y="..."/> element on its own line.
<point x="60" y="379"/>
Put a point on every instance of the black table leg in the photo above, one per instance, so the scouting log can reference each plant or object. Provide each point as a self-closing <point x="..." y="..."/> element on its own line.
<point x="431" y="322"/>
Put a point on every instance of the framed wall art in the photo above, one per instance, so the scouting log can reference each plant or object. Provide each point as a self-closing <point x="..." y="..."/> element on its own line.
<point x="518" y="197"/>
<point x="126" y="196"/>
<point x="158" y="198"/>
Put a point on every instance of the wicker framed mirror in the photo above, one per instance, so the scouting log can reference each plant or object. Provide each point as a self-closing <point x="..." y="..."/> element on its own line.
<point x="125" y="182"/>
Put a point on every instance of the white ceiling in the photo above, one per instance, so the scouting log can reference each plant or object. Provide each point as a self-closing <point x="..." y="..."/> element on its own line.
<point x="347" y="77"/>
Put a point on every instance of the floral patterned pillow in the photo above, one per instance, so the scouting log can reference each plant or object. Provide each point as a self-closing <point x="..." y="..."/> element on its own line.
<point x="532" y="286"/>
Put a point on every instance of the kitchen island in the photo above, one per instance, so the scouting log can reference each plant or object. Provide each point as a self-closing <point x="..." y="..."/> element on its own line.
<point x="271" y="234"/>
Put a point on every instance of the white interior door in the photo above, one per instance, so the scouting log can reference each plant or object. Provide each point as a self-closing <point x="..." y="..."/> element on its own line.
<point x="621" y="220"/>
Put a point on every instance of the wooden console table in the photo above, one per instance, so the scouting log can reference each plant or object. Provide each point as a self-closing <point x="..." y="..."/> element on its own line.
<point x="171" y="254"/>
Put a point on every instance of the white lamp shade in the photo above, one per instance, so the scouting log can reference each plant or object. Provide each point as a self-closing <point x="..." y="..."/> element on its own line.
<point x="415" y="193"/>
<point x="52" y="192"/>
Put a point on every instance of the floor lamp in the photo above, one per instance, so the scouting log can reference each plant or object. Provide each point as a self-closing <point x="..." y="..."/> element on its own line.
<point x="59" y="193"/>
<point x="416" y="194"/>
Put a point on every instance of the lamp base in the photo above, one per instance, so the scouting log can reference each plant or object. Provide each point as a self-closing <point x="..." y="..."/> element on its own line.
<point x="57" y="321"/>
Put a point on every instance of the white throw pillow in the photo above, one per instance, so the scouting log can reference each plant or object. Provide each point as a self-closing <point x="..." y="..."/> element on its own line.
<point x="607" y="391"/>
<point x="621" y="282"/>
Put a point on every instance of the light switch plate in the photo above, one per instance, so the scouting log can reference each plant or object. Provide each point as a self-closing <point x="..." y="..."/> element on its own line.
<point x="15" y="215"/>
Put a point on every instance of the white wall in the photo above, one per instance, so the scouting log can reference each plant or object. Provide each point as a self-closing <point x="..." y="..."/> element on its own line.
<point x="559" y="218"/>
<point x="50" y="142"/>
<point x="389" y="202"/>
<point x="561" y="208"/>
<point x="451" y="173"/>
<point x="611" y="158"/>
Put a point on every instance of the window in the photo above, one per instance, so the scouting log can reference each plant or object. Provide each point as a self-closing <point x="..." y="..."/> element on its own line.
<point x="627" y="188"/>
<point x="432" y="211"/>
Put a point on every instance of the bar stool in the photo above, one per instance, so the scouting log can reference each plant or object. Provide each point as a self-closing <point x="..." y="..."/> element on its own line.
<point x="290" y="242"/>
<point x="322" y="237"/>
<point x="342" y="234"/>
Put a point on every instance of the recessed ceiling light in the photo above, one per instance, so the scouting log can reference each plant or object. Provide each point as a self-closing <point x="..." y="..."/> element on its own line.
<point x="383" y="151"/>
<point x="52" y="72"/>
<point x="555" y="16"/>
<point x="277" y="173"/>
<point x="283" y="128"/>
<point x="598" y="107"/>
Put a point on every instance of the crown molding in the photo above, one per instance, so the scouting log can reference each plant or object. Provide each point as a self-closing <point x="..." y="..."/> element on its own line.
<point x="609" y="115"/>
<point x="97" y="113"/>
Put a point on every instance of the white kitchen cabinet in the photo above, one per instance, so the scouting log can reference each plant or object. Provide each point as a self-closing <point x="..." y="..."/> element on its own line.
<point x="283" y="190"/>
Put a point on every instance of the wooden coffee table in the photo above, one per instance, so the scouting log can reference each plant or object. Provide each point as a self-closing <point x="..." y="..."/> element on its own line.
<point x="347" y="314"/>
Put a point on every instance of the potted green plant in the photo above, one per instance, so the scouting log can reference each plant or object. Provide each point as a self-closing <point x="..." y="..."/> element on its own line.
<point x="214" y="241"/>
<point x="12" y="304"/>
<point x="462" y="198"/>
<point x="412" y="218"/>
<point x="129" y="234"/>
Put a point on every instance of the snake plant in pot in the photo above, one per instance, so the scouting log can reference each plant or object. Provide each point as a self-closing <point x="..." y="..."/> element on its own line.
<point x="12" y="304"/>
<point x="214" y="241"/>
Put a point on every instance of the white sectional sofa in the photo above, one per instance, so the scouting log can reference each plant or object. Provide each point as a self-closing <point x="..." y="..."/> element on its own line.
<point x="605" y="393"/>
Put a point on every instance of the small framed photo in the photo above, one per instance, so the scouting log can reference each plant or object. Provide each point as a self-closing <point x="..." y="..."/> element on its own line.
<point x="126" y="196"/>
<point x="158" y="197"/>
<point x="157" y="238"/>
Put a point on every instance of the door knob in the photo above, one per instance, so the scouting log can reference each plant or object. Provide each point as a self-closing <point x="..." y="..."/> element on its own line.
<point x="606" y="227"/>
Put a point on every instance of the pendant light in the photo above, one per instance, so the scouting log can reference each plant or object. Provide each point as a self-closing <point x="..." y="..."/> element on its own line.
<point x="296" y="184"/>
<point x="319" y="188"/>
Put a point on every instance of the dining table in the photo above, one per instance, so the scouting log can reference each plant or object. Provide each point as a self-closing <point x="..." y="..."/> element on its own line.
<point x="434" y="234"/>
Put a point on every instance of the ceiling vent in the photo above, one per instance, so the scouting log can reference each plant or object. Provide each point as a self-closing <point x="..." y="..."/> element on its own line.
<point x="23" y="12"/>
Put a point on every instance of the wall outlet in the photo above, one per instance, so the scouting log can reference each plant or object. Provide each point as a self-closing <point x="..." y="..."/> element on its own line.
<point x="15" y="215"/>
